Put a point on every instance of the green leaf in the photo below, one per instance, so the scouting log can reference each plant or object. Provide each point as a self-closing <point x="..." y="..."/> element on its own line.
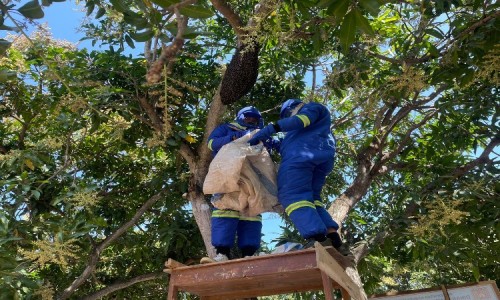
<point x="46" y="2"/>
<point x="90" y="8"/>
<point x="338" y="8"/>
<point x="164" y="3"/>
<point x="31" y="10"/>
<point x="196" y="12"/>
<point x="7" y="75"/>
<point x="4" y="45"/>
<point x="372" y="6"/>
<point x="362" y="22"/>
<point x="142" y="36"/>
<point x="10" y="28"/>
<point x="35" y="194"/>
<point x="434" y="33"/>
<point x="100" y="12"/>
<point x="5" y="240"/>
<point x="325" y="3"/>
<point x="171" y="142"/>
<point x="129" y="41"/>
<point x="135" y="19"/>
<point x="119" y="6"/>
<point x="475" y="272"/>
<point x="348" y="31"/>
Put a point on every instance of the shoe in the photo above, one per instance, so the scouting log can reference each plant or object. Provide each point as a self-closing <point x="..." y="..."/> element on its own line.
<point x="345" y="250"/>
<point x="218" y="258"/>
<point x="309" y="244"/>
<point x="206" y="260"/>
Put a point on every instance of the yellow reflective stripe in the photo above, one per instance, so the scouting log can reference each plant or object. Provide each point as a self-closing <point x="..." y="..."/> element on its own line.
<point x="258" y="218"/>
<point x="238" y="126"/>
<point x="318" y="203"/>
<point x="304" y="120"/>
<point x="298" y="205"/>
<point x="225" y="214"/>
<point x="210" y="144"/>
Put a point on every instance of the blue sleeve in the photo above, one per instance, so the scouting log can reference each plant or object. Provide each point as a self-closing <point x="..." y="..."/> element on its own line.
<point x="219" y="137"/>
<point x="305" y="117"/>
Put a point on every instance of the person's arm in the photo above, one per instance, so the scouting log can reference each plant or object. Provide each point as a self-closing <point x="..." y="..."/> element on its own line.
<point x="306" y="116"/>
<point x="222" y="135"/>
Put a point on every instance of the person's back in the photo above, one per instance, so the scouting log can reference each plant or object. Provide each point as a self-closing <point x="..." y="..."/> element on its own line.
<point x="316" y="136"/>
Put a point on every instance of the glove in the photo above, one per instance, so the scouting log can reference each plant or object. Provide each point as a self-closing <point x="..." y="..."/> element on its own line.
<point x="263" y="134"/>
<point x="272" y="144"/>
<point x="238" y="134"/>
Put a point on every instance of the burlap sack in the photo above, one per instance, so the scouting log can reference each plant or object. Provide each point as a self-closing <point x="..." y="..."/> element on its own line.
<point x="246" y="175"/>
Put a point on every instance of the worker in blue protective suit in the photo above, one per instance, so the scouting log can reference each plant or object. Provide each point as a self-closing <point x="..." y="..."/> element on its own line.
<point x="226" y="224"/>
<point x="307" y="157"/>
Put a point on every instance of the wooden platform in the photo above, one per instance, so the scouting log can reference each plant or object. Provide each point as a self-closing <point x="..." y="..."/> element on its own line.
<point x="298" y="271"/>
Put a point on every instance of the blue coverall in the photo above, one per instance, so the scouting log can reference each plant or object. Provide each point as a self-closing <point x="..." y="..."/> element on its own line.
<point x="308" y="154"/>
<point x="226" y="224"/>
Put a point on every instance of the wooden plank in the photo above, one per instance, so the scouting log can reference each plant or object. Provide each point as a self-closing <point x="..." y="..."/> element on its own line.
<point x="171" y="264"/>
<point x="330" y="266"/>
<point x="327" y="286"/>
<point x="172" y="290"/>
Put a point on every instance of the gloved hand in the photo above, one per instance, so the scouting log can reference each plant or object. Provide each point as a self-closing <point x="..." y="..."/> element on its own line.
<point x="238" y="134"/>
<point x="263" y="134"/>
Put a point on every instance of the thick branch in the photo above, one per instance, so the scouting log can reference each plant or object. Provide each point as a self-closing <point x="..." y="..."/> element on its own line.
<point x="151" y="112"/>
<point x="124" y="284"/>
<point x="228" y="13"/>
<point x="188" y="155"/>
<point x="482" y="159"/>
<point x="168" y="53"/>
<point x="96" y="253"/>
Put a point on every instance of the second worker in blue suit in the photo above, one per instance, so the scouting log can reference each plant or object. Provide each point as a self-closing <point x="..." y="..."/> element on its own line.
<point x="307" y="157"/>
<point x="227" y="224"/>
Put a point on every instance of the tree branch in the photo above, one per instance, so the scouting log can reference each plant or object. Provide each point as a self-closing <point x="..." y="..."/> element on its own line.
<point x="96" y="252"/>
<point x="123" y="284"/>
<point x="364" y="248"/>
<point x="151" y="112"/>
<point x="228" y="13"/>
<point x="168" y="53"/>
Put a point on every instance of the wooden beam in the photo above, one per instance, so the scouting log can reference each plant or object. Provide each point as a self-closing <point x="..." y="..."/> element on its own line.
<point x="327" y="286"/>
<point x="334" y="270"/>
<point x="171" y="264"/>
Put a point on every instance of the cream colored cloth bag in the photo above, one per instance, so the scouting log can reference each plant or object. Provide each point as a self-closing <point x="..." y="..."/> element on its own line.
<point x="246" y="176"/>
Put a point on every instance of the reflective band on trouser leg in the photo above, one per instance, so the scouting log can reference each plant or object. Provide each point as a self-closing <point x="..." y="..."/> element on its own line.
<point x="210" y="144"/>
<point x="249" y="232"/>
<point x="290" y="208"/>
<point x="325" y="216"/>
<point x="304" y="120"/>
<point x="306" y="219"/>
<point x="224" y="224"/>
<point x="225" y="214"/>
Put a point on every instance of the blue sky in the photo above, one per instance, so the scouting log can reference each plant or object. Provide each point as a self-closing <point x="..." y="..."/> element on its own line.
<point x="64" y="19"/>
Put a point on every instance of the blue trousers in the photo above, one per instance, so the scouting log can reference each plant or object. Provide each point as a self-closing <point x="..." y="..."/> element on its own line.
<point x="300" y="181"/>
<point x="227" y="224"/>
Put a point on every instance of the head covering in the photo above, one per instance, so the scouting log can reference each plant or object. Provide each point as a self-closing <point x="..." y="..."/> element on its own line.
<point x="250" y="112"/>
<point x="288" y="106"/>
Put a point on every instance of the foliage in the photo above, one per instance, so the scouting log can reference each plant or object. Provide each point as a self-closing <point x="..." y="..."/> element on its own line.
<point x="86" y="141"/>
